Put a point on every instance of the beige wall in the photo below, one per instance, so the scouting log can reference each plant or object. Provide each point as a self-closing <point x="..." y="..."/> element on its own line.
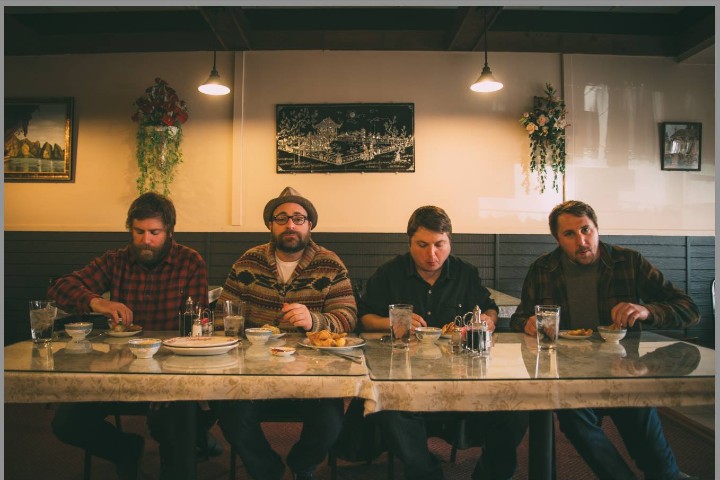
<point x="471" y="152"/>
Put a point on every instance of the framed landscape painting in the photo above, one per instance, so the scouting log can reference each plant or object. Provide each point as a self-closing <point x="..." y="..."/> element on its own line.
<point x="345" y="137"/>
<point x="39" y="140"/>
<point x="680" y="145"/>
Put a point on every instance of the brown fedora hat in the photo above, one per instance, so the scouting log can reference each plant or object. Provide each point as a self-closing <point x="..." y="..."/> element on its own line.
<point x="290" y="195"/>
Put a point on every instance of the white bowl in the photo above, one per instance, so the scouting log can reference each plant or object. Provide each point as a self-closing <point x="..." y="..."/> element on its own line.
<point x="258" y="336"/>
<point x="612" y="335"/>
<point x="78" y="330"/>
<point x="144" y="347"/>
<point x="428" y="334"/>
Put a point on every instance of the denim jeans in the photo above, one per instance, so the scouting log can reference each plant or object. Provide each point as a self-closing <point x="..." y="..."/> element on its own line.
<point x="641" y="432"/>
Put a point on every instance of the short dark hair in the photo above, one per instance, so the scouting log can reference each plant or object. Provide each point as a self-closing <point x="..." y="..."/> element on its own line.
<point x="152" y="205"/>
<point x="430" y="217"/>
<point x="573" y="207"/>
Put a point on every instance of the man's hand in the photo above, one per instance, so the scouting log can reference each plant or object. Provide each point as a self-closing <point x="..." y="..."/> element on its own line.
<point x="297" y="315"/>
<point x="625" y="314"/>
<point x="490" y="320"/>
<point x="116" y="310"/>
<point x="417" y="321"/>
<point x="531" y="326"/>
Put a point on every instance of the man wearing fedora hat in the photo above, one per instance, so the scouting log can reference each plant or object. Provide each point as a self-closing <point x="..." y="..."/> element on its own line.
<point x="295" y="284"/>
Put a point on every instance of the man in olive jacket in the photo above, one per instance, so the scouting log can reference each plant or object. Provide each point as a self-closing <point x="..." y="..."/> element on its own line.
<point x="600" y="284"/>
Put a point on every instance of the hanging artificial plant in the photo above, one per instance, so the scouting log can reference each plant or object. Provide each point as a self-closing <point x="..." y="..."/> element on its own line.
<point x="161" y="114"/>
<point x="546" y="125"/>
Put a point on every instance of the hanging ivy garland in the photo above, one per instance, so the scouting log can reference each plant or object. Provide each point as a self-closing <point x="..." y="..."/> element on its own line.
<point x="546" y="125"/>
<point x="161" y="115"/>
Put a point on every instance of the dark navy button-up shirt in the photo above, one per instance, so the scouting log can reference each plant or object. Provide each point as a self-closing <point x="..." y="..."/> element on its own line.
<point x="457" y="290"/>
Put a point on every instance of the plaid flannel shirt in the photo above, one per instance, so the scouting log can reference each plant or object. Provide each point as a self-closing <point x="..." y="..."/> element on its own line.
<point x="155" y="295"/>
<point x="625" y="276"/>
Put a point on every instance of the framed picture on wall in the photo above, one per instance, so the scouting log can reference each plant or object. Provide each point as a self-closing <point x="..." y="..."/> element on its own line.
<point x="345" y="137"/>
<point x="39" y="140"/>
<point x="680" y="145"/>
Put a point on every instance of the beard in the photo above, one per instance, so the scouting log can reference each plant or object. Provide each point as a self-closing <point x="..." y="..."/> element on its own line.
<point x="289" y="242"/>
<point x="150" y="256"/>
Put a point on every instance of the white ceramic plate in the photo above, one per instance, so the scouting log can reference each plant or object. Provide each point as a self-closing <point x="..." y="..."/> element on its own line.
<point x="199" y="342"/>
<point x="199" y="351"/>
<point x="351" y="342"/>
<point x="567" y="336"/>
<point x="113" y="333"/>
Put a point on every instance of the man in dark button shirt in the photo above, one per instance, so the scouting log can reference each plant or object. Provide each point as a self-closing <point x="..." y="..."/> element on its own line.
<point x="439" y="286"/>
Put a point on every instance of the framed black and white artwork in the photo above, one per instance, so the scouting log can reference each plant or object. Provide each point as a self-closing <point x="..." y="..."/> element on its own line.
<point x="680" y="145"/>
<point x="345" y="137"/>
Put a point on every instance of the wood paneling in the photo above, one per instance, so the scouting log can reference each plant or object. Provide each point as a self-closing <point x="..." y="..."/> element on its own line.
<point x="32" y="258"/>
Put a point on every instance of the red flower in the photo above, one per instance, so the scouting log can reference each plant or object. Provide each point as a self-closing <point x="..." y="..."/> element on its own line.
<point x="160" y="106"/>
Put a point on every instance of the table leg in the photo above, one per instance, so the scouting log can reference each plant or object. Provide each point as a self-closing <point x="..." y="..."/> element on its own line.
<point x="541" y="446"/>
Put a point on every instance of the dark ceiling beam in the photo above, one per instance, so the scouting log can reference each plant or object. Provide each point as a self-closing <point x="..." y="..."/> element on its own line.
<point x="696" y="38"/>
<point x="113" y="43"/>
<point x="230" y="27"/>
<point x="677" y="34"/>
<point x="584" y="43"/>
<point x="466" y="30"/>
<point x="383" y="40"/>
<point x="489" y="16"/>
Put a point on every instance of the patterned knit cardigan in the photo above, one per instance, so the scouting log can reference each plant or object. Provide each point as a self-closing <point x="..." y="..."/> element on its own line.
<point x="320" y="282"/>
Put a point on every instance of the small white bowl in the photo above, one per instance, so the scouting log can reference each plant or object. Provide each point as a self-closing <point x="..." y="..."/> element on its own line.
<point x="258" y="336"/>
<point x="78" y="330"/>
<point x="144" y="347"/>
<point x="612" y="335"/>
<point x="428" y="334"/>
<point x="282" y="351"/>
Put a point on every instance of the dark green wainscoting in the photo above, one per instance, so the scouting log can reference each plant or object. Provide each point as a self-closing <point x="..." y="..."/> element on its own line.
<point x="33" y="258"/>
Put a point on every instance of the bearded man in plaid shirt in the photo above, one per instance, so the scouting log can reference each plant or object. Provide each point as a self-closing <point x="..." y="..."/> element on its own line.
<point x="148" y="282"/>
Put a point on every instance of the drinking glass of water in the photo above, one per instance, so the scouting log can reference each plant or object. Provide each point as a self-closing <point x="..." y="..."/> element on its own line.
<point x="42" y="320"/>
<point x="547" y="319"/>
<point x="400" y="325"/>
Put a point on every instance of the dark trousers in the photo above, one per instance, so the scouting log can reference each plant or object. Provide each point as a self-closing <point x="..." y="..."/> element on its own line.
<point x="176" y="427"/>
<point x="240" y="424"/>
<point x="406" y="434"/>
<point x="641" y="432"/>
<point x="85" y="425"/>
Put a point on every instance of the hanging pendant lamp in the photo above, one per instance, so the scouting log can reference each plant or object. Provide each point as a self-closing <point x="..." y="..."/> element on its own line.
<point x="486" y="82"/>
<point x="213" y="85"/>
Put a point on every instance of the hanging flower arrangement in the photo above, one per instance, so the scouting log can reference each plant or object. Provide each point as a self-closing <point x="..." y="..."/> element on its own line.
<point x="546" y="125"/>
<point x="160" y="113"/>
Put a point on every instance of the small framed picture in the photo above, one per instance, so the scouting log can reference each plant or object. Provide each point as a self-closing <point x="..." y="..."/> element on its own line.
<point x="680" y="145"/>
<point x="39" y="140"/>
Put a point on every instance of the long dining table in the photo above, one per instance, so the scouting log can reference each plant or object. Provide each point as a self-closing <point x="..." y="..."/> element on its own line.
<point x="644" y="369"/>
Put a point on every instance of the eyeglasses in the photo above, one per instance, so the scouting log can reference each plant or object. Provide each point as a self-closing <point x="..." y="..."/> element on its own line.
<point x="282" y="219"/>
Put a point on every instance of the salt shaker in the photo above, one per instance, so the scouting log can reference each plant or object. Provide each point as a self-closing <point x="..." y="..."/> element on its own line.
<point x="197" y="327"/>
